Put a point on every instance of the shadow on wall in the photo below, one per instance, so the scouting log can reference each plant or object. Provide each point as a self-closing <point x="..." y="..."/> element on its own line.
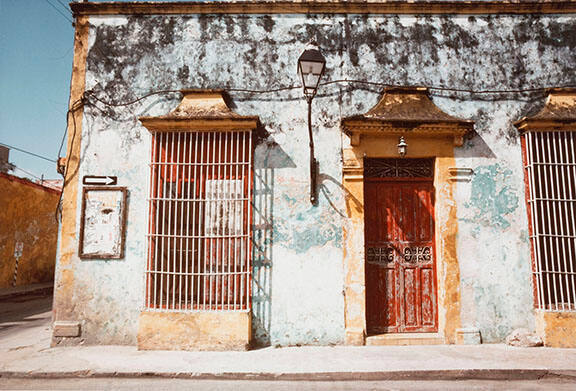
<point x="268" y="157"/>
<point x="324" y="181"/>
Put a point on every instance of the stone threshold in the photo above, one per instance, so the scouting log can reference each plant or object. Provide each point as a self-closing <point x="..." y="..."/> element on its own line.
<point x="400" y="339"/>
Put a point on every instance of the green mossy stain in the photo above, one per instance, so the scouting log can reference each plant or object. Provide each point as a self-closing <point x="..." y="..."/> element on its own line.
<point x="491" y="199"/>
<point x="302" y="229"/>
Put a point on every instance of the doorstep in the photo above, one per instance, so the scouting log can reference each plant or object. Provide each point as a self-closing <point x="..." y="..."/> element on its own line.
<point x="392" y="339"/>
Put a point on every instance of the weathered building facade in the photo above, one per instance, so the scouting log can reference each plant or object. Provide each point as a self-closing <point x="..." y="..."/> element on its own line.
<point x="221" y="247"/>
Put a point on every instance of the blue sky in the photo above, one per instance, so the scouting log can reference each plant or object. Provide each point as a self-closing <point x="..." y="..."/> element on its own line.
<point x="36" y="50"/>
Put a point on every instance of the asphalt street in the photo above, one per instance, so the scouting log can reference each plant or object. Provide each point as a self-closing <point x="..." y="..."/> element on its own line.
<point x="24" y="312"/>
<point x="239" y="385"/>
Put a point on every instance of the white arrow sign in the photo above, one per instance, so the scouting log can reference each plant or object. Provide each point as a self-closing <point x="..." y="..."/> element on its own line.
<point x="99" y="180"/>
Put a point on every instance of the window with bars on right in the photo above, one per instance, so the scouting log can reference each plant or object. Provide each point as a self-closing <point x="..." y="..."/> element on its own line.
<point x="550" y="172"/>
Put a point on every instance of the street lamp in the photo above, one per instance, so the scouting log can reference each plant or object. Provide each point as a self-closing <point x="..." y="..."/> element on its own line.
<point x="311" y="66"/>
<point x="402" y="146"/>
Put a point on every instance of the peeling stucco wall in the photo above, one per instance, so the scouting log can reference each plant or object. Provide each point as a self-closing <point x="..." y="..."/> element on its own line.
<point x="299" y="299"/>
<point x="28" y="216"/>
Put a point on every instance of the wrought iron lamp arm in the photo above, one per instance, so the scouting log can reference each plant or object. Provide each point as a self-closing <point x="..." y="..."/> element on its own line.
<point x="313" y="163"/>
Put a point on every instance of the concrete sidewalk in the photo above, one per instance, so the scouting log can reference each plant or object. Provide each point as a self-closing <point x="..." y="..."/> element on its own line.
<point x="490" y="362"/>
<point x="25" y="352"/>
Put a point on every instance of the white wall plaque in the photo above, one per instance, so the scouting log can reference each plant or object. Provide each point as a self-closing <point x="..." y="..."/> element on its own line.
<point x="103" y="224"/>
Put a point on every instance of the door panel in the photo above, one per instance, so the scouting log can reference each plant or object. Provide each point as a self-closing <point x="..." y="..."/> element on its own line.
<point x="400" y="267"/>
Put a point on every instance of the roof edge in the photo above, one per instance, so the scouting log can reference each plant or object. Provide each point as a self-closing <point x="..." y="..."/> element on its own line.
<point x="326" y="7"/>
<point x="26" y="182"/>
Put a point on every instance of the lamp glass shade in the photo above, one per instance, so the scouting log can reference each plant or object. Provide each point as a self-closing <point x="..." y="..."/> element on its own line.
<point x="311" y="66"/>
<point x="402" y="146"/>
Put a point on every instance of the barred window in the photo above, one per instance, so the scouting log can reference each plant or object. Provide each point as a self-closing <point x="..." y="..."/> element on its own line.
<point x="199" y="222"/>
<point x="550" y="168"/>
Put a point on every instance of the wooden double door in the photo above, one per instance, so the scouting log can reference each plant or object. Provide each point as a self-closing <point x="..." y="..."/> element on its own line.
<point x="400" y="261"/>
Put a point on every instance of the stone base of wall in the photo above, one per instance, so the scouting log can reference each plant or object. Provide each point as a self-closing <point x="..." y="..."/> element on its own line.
<point x="556" y="328"/>
<point x="194" y="331"/>
<point x="468" y="336"/>
<point x="355" y="337"/>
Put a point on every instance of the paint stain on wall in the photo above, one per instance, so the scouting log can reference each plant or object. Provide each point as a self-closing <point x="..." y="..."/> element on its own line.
<point x="491" y="198"/>
<point x="301" y="228"/>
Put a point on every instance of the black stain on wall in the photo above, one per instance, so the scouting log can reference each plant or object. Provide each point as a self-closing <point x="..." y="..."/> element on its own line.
<point x="493" y="52"/>
<point x="183" y="74"/>
<point x="267" y="22"/>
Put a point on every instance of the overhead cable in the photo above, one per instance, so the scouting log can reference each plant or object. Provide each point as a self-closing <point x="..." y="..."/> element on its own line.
<point x="60" y="12"/>
<point x="91" y="94"/>
<point x="28" y="152"/>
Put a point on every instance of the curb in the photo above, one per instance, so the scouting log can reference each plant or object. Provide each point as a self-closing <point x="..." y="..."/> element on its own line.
<point x="44" y="290"/>
<point x="450" y="374"/>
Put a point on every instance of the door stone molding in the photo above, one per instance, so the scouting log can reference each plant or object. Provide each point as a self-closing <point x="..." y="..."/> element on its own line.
<point x="410" y="113"/>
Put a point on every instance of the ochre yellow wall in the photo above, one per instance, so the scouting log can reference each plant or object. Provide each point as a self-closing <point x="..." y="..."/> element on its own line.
<point x="557" y="329"/>
<point x="228" y="330"/>
<point x="27" y="215"/>
<point x="63" y="306"/>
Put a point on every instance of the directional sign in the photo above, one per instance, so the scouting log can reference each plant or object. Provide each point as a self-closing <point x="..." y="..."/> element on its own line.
<point x="18" y="249"/>
<point x="99" y="180"/>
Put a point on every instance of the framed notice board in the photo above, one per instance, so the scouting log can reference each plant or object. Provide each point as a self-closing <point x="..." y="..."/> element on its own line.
<point x="103" y="223"/>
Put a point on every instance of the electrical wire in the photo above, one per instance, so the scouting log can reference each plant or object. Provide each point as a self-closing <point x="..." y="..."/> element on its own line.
<point x="60" y="12"/>
<point x="28" y="152"/>
<point x="279" y="89"/>
<point x="76" y="105"/>
<point x="65" y="6"/>
<point x="91" y="94"/>
<point x="450" y="89"/>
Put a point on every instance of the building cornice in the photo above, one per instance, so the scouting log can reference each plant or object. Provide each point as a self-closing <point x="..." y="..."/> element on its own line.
<point x="327" y="7"/>
<point x="201" y="110"/>
<point x="558" y="113"/>
<point x="402" y="111"/>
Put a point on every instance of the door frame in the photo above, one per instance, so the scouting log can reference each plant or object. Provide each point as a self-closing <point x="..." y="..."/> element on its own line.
<point x="445" y="228"/>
